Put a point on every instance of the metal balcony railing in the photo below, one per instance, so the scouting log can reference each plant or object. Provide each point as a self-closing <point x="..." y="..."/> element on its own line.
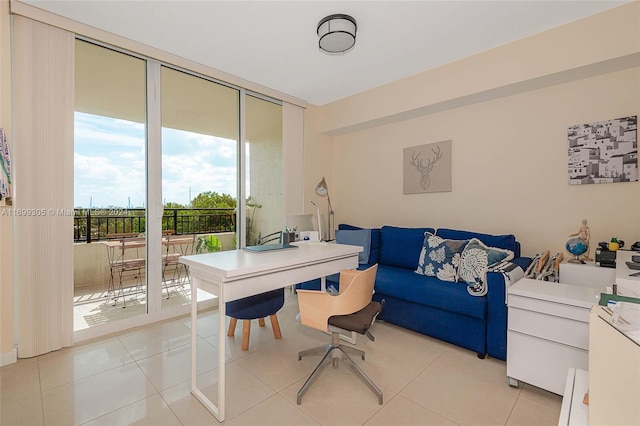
<point x="95" y="224"/>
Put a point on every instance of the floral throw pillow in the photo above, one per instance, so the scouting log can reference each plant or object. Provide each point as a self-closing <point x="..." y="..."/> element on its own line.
<point x="439" y="257"/>
<point x="476" y="259"/>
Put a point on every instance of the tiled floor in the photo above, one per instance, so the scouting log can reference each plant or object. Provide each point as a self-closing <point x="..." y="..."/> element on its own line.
<point x="141" y="377"/>
<point x="92" y="306"/>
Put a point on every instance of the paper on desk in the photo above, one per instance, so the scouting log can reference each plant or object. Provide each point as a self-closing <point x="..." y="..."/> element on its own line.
<point x="626" y="317"/>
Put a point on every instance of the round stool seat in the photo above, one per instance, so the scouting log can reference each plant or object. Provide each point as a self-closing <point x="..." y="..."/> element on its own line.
<point x="258" y="306"/>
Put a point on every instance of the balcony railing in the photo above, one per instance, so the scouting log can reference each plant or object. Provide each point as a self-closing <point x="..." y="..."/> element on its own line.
<point x="95" y="224"/>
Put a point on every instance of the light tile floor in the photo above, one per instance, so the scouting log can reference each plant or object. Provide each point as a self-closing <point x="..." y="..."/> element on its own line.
<point x="92" y="305"/>
<point x="141" y="377"/>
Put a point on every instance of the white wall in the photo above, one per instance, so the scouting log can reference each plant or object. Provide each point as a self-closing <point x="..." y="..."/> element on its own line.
<point x="318" y="163"/>
<point x="509" y="168"/>
<point x="509" y="140"/>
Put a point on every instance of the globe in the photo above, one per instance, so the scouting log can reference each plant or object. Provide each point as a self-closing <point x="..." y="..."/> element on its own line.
<point x="577" y="247"/>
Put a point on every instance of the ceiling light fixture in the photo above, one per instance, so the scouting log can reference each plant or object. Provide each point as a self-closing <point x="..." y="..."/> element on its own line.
<point x="337" y="33"/>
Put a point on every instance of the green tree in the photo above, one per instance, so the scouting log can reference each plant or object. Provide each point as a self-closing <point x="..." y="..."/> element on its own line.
<point x="172" y="205"/>
<point x="210" y="243"/>
<point x="211" y="199"/>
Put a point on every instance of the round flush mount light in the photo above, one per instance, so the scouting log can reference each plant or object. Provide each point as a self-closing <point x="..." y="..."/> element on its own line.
<point x="337" y="33"/>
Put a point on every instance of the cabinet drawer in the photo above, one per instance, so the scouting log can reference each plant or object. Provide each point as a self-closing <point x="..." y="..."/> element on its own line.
<point x="557" y="329"/>
<point x="573" y="312"/>
<point x="542" y="363"/>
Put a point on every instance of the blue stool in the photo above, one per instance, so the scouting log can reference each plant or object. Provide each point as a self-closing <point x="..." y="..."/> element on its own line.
<point x="259" y="306"/>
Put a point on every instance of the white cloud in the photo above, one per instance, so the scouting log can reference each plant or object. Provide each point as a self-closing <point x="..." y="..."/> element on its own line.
<point x="110" y="163"/>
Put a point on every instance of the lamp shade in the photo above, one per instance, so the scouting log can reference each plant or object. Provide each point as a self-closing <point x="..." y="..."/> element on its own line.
<point x="337" y="33"/>
<point x="321" y="188"/>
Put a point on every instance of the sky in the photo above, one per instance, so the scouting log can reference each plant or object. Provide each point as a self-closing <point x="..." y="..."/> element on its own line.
<point x="109" y="158"/>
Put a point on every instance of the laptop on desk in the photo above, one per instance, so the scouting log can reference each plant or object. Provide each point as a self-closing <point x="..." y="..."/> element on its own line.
<point x="268" y="247"/>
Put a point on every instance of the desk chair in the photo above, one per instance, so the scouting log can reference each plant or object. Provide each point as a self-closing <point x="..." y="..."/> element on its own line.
<point x="351" y="310"/>
<point x="258" y="307"/>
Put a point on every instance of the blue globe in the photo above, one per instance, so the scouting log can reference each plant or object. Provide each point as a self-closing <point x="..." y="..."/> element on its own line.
<point x="576" y="246"/>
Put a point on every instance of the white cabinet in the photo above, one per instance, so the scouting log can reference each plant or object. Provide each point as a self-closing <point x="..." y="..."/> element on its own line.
<point x="548" y="332"/>
<point x="588" y="275"/>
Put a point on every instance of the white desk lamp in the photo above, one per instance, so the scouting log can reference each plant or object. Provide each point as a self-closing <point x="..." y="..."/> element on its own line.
<point x="322" y="189"/>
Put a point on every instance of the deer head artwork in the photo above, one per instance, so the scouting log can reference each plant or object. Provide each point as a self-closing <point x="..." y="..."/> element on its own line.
<point x="425" y="170"/>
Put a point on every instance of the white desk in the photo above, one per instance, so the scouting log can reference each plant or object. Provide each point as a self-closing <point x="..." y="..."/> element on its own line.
<point x="232" y="275"/>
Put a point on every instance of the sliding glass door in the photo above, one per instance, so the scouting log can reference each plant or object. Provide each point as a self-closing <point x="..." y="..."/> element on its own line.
<point x="200" y="133"/>
<point x="167" y="164"/>
<point x="109" y="186"/>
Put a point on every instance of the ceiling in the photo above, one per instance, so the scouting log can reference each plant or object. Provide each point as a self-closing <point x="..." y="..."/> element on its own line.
<point x="274" y="43"/>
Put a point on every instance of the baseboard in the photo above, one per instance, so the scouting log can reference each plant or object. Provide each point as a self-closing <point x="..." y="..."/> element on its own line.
<point x="9" y="358"/>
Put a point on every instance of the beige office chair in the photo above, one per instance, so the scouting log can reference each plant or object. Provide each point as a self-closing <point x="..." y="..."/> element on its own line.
<point x="351" y="310"/>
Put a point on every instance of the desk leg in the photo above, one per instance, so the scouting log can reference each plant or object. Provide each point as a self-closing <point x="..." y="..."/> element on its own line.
<point x="218" y="411"/>
<point x="194" y="334"/>
<point x="222" y="341"/>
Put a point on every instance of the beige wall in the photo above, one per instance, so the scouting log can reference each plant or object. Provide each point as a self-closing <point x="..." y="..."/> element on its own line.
<point x="587" y="47"/>
<point x="509" y="160"/>
<point x="317" y="164"/>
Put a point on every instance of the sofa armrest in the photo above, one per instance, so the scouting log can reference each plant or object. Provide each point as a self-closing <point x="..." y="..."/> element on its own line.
<point x="522" y="262"/>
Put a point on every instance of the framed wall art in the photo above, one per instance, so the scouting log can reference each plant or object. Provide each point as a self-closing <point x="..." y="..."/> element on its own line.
<point x="427" y="168"/>
<point x="604" y="151"/>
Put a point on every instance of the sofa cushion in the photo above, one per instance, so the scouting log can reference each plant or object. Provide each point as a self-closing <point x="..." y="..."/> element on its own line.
<point x="374" y="252"/>
<point x="477" y="258"/>
<point x="356" y="237"/>
<point x="404" y="284"/>
<point x="440" y="257"/>
<point x="507" y="242"/>
<point x="401" y="246"/>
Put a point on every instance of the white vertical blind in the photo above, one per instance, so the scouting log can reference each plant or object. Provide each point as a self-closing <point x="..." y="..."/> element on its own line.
<point x="43" y="195"/>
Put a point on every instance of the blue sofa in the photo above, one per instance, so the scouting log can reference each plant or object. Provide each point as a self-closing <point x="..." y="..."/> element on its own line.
<point x="444" y="310"/>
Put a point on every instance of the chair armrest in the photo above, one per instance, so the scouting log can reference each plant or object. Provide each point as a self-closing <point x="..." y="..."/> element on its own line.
<point x="346" y="278"/>
<point x="315" y="308"/>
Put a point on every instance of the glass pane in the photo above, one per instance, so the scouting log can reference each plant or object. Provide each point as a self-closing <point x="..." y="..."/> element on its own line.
<point x="200" y="123"/>
<point x="265" y="218"/>
<point x="109" y="186"/>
